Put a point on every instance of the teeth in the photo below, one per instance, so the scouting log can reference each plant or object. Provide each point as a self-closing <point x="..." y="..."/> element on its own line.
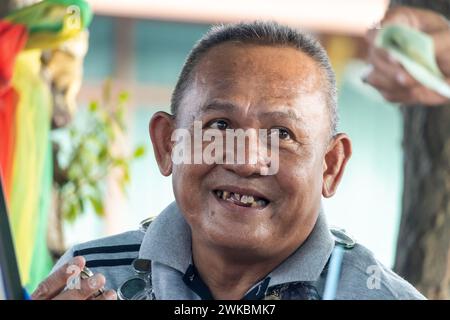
<point x="245" y="199"/>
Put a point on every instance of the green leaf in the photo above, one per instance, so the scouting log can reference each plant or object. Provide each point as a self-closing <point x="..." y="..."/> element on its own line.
<point x="139" y="152"/>
<point x="126" y="174"/>
<point x="119" y="162"/>
<point x="93" y="106"/>
<point x="97" y="205"/>
<point x="71" y="213"/>
<point x="81" y="205"/>
<point x="124" y="97"/>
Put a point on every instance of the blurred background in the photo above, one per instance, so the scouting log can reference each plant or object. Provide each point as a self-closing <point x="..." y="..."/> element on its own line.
<point x="130" y="59"/>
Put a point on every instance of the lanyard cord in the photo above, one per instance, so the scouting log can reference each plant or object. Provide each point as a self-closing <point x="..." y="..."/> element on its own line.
<point x="334" y="272"/>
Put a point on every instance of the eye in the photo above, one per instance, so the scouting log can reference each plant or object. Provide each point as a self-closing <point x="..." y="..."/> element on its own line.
<point x="283" y="133"/>
<point x="219" y="124"/>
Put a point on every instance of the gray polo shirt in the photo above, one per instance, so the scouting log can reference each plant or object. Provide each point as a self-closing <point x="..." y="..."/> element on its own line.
<point x="167" y="244"/>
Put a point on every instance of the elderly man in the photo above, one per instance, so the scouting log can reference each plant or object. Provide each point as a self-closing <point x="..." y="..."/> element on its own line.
<point x="239" y="230"/>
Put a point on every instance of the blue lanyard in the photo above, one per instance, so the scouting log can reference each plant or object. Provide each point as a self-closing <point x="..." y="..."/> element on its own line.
<point x="334" y="273"/>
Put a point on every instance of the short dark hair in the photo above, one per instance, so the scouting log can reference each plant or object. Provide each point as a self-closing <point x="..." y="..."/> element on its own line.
<point x="264" y="33"/>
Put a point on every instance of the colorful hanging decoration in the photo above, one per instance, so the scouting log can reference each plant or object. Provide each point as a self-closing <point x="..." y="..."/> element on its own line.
<point x="26" y="107"/>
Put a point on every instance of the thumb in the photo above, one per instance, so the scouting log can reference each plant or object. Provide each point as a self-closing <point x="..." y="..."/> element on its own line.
<point x="56" y="282"/>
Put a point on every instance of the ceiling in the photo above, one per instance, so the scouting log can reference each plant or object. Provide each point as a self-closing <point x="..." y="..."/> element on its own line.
<point x="351" y="17"/>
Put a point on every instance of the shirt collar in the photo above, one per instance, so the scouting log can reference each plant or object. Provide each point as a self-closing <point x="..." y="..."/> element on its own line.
<point x="309" y="260"/>
<point x="168" y="241"/>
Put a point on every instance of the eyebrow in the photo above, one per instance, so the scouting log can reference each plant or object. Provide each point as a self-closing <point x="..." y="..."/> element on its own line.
<point x="219" y="106"/>
<point x="231" y="107"/>
<point x="288" y="114"/>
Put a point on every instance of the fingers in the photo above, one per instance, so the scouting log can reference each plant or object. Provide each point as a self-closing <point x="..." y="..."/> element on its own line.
<point x="422" y="19"/>
<point x="379" y="81"/>
<point x="395" y="84"/>
<point x="402" y="97"/>
<point x="430" y="21"/>
<point x="85" y="290"/>
<point x="417" y="94"/>
<point x="441" y="41"/>
<point x="383" y="62"/>
<point x="56" y="282"/>
<point x="370" y="36"/>
<point x="398" y="80"/>
<point x="425" y="96"/>
<point x="402" y="15"/>
<point x="108" y="295"/>
<point x="389" y="77"/>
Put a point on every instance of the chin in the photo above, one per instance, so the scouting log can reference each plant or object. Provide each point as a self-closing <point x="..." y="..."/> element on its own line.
<point x="239" y="239"/>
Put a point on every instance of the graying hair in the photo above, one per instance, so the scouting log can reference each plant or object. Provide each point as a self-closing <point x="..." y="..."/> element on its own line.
<point x="264" y="33"/>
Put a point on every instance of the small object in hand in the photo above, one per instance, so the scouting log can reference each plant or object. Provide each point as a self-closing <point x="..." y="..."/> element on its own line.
<point x="86" y="273"/>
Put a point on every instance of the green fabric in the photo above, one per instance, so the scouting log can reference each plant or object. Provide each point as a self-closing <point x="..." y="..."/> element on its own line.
<point x="52" y="22"/>
<point x="42" y="263"/>
<point x="48" y="15"/>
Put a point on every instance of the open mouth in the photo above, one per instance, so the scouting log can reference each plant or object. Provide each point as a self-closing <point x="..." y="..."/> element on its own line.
<point x="243" y="200"/>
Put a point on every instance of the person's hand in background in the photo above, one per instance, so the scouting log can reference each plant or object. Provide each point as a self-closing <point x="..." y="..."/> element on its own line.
<point x="389" y="77"/>
<point x="52" y="288"/>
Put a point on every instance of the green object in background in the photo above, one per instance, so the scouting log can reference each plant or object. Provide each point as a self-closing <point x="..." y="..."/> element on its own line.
<point x="87" y="155"/>
<point x="42" y="262"/>
<point x="415" y="52"/>
<point x="52" y="22"/>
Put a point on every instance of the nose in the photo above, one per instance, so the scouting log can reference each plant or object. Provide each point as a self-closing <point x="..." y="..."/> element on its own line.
<point x="244" y="170"/>
<point x="247" y="158"/>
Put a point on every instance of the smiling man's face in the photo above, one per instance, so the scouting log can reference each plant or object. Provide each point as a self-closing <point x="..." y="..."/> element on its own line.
<point x="242" y="86"/>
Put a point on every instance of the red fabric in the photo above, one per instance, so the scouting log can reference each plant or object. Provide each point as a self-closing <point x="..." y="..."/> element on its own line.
<point x="8" y="103"/>
<point x="13" y="38"/>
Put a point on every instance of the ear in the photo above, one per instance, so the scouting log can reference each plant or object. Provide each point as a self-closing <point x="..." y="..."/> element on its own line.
<point x="338" y="153"/>
<point x="161" y="127"/>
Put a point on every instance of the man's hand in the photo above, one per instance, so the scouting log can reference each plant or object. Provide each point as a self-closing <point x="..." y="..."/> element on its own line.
<point x="389" y="77"/>
<point x="52" y="288"/>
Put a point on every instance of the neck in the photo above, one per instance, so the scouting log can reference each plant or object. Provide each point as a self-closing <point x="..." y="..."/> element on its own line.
<point x="228" y="277"/>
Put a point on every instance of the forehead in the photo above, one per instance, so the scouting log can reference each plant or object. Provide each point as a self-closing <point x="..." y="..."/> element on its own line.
<point x="269" y="72"/>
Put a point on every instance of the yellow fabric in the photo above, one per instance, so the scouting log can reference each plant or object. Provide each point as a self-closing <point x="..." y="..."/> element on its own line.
<point x="32" y="138"/>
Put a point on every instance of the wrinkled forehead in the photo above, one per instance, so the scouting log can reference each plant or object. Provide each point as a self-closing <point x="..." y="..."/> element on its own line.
<point x="267" y="71"/>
